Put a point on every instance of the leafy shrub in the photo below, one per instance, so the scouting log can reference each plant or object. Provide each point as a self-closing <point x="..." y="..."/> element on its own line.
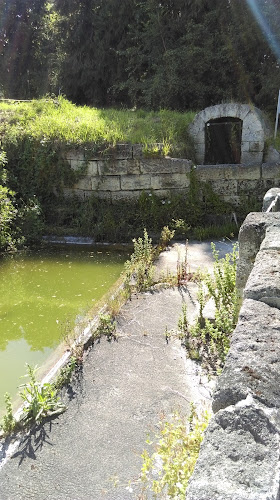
<point x="8" y="214"/>
<point x="168" y="469"/>
<point x="40" y="400"/>
<point x="210" y="340"/>
<point x="139" y="269"/>
<point x="107" y="326"/>
<point x="8" y="424"/>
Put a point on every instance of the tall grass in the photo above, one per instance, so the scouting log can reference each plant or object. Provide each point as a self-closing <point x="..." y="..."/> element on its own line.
<point x="60" y="120"/>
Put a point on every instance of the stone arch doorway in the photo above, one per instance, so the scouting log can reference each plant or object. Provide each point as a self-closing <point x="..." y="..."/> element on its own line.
<point x="227" y="120"/>
<point x="223" y="140"/>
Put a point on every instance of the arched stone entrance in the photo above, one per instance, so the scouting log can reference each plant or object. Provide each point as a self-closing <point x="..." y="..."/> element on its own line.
<point x="229" y="134"/>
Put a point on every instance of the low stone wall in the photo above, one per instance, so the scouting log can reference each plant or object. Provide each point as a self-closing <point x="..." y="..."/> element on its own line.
<point x="125" y="173"/>
<point x="239" y="458"/>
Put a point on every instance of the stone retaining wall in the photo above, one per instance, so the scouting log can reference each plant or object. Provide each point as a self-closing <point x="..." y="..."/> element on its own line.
<point x="125" y="173"/>
<point x="239" y="458"/>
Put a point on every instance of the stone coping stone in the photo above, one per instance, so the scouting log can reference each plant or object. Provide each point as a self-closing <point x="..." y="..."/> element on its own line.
<point x="239" y="457"/>
<point x="251" y="235"/>
<point x="252" y="366"/>
<point x="264" y="281"/>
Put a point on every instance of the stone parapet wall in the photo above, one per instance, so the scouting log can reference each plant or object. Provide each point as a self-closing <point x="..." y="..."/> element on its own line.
<point x="239" y="458"/>
<point x="126" y="172"/>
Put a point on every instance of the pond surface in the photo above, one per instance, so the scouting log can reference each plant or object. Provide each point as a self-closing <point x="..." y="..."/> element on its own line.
<point x="41" y="294"/>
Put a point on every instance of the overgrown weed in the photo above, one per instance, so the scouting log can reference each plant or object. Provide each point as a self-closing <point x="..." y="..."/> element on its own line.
<point x="167" y="470"/>
<point x="209" y="340"/>
<point x="40" y="400"/>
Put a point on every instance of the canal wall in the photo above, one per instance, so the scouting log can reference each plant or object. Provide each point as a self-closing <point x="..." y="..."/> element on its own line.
<point x="239" y="458"/>
<point x="126" y="171"/>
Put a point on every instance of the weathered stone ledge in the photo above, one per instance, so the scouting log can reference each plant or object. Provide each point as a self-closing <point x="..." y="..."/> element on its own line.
<point x="239" y="458"/>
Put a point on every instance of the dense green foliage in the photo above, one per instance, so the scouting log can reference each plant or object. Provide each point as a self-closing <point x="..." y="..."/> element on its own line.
<point x="166" y="471"/>
<point x="56" y="123"/>
<point x="20" y="221"/>
<point x="37" y="134"/>
<point x="177" y="54"/>
<point x="209" y="340"/>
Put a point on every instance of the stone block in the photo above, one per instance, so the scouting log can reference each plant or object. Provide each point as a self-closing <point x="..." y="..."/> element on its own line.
<point x="133" y="167"/>
<point x="238" y="458"/>
<point x="137" y="151"/>
<point x="200" y="149"/>
<point x="210" y="172"/>
<point x="236" y="172"/>
<point x="78" y="165"/>
<point x="134" y="182"/>
<point x="250" y="134"/>
<point x="84" y="183"/>
<point x="200" y="138"/>
<point x="92" y="168"/>
<point x="122" y="151"/>
<point x="246" y="172"/>
<point x="180" y="165"/>
<point x="271" y="171"/>
<point x="249" y="187"/>
<point x="251" y="157"/>
<point x="155" y="165"/>
<point x="110" y="183"/>
<point x="224" y="187"/>
<point x="112" y="167"/>
<point x="75" y="155"/>
<point x="272" y="155"/>
<point x="245" y="146"/>
<point x="256" y="146"/>
<point x="252" y="366"/>
<point x="169" y="181"/>
<point x="165" y="166"/>
<point x="251" y="235"/>
<point x="104" y="195"/>
<point x="126" y="195"/>
<point x="263" y="283"/>
<point x="271" y="240"/>
<point x="270" y="197"/>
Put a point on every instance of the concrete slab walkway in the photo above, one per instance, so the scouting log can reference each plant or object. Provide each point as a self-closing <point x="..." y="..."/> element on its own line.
<point x="118" y="397"/>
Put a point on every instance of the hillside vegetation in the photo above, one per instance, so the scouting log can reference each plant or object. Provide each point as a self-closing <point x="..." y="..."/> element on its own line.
<point x="180" y="54"/>
<point x="61" y="122"/>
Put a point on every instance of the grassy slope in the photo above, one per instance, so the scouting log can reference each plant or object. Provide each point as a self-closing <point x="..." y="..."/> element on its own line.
<point x="60" y="120"/>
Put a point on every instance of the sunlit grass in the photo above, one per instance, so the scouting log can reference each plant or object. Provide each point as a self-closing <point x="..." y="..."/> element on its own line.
<point x="60" y="120"/>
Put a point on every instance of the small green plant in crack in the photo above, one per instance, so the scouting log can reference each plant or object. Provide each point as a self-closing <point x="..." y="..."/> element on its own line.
<point x="65" y="374"/>
<point x="183" y="322"/>
<point x="167" y="470"/>
<point x="40" y="400"/>
<point x="8" y="424"/>
<point x="210" y="339"/>
<point x="107" y="326"/>
<point x="165" y="237"/>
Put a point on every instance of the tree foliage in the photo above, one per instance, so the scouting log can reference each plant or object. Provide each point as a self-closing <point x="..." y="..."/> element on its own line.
<point x="20" y="47"/>
<point x="177" y="54"/>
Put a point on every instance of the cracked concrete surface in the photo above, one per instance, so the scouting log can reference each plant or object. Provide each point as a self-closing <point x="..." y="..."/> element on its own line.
<point x="117" y="398"/>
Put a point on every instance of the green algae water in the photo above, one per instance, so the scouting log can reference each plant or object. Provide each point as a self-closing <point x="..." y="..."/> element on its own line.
<point x="40" y="294"/>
